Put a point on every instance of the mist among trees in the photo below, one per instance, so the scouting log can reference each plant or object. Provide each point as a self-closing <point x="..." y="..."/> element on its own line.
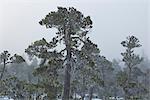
<point x="71" y="66"/>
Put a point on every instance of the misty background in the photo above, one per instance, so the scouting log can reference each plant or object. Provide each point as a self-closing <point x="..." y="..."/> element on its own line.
<point x="113" y="21"/>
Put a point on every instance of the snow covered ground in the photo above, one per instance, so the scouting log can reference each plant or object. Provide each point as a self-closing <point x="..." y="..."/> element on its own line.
<point x="93" y="99"/>
<point x="5" y="98"/>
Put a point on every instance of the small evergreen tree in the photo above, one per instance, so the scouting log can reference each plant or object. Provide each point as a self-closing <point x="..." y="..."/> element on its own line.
<point x="131" y="60"/>
<point x="6" y="58"/>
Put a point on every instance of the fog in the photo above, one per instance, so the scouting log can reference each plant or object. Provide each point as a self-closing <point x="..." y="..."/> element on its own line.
<point x="76" y="68"/>
<point x="113" y="21"/>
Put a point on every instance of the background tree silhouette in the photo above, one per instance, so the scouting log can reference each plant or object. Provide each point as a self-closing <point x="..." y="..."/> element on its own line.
<point x="5" y="58"/>
<point x="131" y="61"/>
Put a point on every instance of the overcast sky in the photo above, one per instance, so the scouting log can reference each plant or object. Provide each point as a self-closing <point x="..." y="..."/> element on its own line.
<point x="113" y="21"/>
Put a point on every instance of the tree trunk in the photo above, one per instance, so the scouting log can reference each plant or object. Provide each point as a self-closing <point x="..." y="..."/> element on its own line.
<point x="66" y="92"/>
<point x="91" y="93"/>
<point x="126" y="93"/>
<point x="128" y="82"/>
<point x="129" y="77"/>
<point x="2" y="74"/>
<point x="82" y="98"/>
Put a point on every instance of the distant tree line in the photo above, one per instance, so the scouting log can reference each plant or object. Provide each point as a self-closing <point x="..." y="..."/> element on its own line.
<point x="76" y="69"/>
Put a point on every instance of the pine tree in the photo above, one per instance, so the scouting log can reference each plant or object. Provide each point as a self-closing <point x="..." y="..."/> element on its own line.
<point x="6" y="58"/>
<point x="131" y="60"/>
<point x="72" y="29"/>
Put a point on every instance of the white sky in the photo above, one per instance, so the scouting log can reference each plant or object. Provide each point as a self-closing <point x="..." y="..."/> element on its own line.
<point x="113" y="21"/>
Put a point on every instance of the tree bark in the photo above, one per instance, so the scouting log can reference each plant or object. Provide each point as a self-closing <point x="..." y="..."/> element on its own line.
<point x="130" y="71"/>
<point x="126" y="93"/>
<point x="82" y="98"/>
<point x="91" y="93"/>
<point x="2" y="74"/>
<point x="66" y="92"/>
